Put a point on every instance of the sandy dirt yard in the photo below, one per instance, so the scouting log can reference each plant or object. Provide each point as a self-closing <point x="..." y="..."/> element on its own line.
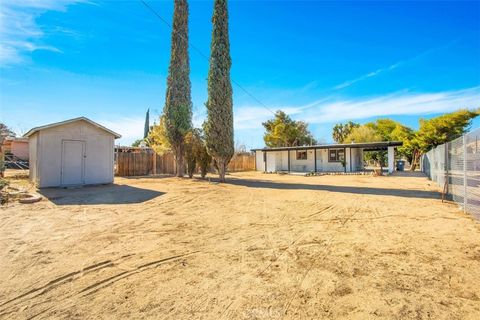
<point x="258" y="247"/>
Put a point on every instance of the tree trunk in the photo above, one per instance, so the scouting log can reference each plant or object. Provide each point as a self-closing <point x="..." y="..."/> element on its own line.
<point x="221" y="169"/>
<point x="203" y="171"/>
<point x="179" y="166"/>
<point x="415" y="160"/>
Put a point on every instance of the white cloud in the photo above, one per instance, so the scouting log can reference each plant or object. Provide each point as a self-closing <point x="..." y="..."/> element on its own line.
<point x="251" y="117"/>
<point x="20" y="34"/>
<point x="366" y="76"/>
<point x="339" y="109"/>
<point x="130" y="128"/>
<point x="394" y="104"/>
<point x="392" y="66"/>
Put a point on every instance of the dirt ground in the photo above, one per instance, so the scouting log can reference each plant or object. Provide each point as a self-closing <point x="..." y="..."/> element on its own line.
<point x="257" y="247"/>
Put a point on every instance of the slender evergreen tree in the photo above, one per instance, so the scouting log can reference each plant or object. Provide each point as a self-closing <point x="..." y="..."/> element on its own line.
<point x="178" y="102"/>
<point x="219" y="124"/>
<point x="146" y="128"/>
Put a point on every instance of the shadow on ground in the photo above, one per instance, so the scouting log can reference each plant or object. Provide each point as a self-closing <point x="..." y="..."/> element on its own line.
<point x="334" y="188"/>
<point x="409" y="174"/>
<point x="105" y="194"/>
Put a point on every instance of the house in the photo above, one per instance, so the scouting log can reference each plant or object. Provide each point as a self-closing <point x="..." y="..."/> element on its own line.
<point x="18" y="147"/>
<point x="70" y="153"/>
<point x="321" y="158"/>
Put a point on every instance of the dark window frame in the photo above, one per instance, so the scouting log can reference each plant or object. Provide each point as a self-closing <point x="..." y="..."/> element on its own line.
<point x="301" y="152"/>
<point x="339" y="155"/>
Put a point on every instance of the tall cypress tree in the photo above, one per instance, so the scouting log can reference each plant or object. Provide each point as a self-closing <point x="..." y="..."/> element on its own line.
<point x="146" y="128"/>
<point x="219" y="124"/>
<point x="178" y="102"/>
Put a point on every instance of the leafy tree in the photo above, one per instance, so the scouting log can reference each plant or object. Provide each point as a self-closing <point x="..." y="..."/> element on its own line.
<point x="157" y="138"/>
<point x="137" y="142"/>
<point x="219" y="124"/>
<point x="201" y="153"/>
<point x="282" y="131"/>
<point x="191" y="139"/>
<point x="406" y="135"/>
<point x="383" y="127"/>
<point x="391" y="130"/>
<point x="439" y="130"/>
<point x="178" y="104"/>
<point x="372" y="132"/>
<point x="341" y="131"/>
<point x="5" y="131"/>
<point x="196" y="153"/>
<point x="146" y="128"/>
<point x="444" y="128"/>
<point x="363" y="134"/>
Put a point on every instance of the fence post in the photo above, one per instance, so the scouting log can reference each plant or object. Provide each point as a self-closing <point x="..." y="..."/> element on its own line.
<point x="447" y="178"/>
<point x="465" y="201"/>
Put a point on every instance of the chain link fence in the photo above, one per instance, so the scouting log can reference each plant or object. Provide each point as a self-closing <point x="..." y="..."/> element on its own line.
<point x="455" y="167"/>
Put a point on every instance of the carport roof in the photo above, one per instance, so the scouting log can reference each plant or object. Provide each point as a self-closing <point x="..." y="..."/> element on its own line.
<point x="51" y="125"/>
<point x="365" y="145"/>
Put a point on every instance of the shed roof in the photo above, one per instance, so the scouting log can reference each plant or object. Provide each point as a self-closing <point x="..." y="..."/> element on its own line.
<point x="365" y="145"/>
<point x="56" y="124"/>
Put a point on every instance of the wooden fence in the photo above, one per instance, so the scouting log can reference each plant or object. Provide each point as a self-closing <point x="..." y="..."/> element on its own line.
<point x="143" y="164"/>
<point x="242" y="162"/>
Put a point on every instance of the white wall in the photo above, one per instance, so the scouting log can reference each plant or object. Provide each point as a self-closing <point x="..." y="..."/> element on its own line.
<point x="272" y="160"/>
<point x="259" y="164"/>
<point x="357" y="159"/>
<point x="301" y="165"/>
<point x="278" y="161"/>
<point x="99" y="146"/>
<point x="323" y="165"/>
<point x="20" y="149"/>
<point x="32" y="162"/>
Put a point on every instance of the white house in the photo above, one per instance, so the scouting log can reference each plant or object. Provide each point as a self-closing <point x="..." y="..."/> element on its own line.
<point x="69" y="153"/>
<point x="321" y="158"/>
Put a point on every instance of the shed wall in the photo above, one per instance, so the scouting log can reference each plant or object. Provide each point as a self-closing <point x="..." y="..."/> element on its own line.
<point x="99" y="148"/>
<point x="32" y="150"/>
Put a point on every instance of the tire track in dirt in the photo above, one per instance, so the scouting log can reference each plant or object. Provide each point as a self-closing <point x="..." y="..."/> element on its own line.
<point x="292" y="244"/>
<point x="60" y="280"/>
<point x="111" y="280"/>
<point x="320" y="256"/>
<point x="91" y="288"/>
<point x="282" y="249"/>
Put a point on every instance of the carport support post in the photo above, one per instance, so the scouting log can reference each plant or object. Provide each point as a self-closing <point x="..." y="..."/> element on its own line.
<point x="265" y="158"/>
<point x="288" y="152"/>
<point x="391" y="159"/>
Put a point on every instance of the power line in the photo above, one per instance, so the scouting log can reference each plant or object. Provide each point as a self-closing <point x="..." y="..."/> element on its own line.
<point x="205" y="56"/>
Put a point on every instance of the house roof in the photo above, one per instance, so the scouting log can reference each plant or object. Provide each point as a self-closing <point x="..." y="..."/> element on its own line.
<point x="56" y="124"/>
<point x="365" y="145"/>
<point x="16" y="139"/>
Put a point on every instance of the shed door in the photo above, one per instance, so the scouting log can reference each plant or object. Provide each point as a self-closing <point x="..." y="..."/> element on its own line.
<point x="73" y="163"/>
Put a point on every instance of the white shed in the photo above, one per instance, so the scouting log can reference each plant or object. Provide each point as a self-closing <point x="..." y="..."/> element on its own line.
<point x="70" y="153"/>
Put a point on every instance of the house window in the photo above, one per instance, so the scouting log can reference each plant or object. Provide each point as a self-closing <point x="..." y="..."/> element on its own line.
<point x="336" y="155"/>
<point x="302" y="155"/>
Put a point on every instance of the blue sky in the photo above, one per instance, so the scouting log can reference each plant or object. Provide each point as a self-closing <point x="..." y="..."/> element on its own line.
<point x="322" y="62"/>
